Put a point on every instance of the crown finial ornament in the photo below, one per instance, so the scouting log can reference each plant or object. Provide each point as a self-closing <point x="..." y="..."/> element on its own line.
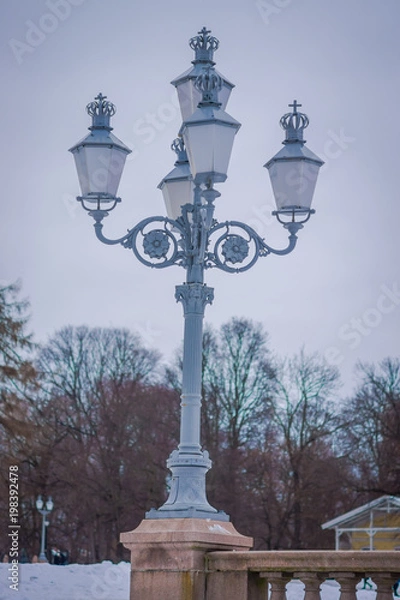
<point x="294" y="124"/>
<point x="101" y="110"/>
<point x="204" y="46"/>
<point x="178" y="146"/>
<point x="209" y="84"/>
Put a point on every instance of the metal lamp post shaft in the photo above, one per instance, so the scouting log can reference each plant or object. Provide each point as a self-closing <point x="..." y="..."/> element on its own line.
<point x="42" y="555"/>
<point x="194" y="297"/>
<point x="191" y="295"/>
<point x="189" y="464"/>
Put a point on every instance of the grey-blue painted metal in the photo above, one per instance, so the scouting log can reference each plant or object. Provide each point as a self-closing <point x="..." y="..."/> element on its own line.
<point x="197" y="242"/>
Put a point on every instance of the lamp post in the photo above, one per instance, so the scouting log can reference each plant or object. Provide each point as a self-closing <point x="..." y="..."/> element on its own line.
<point x="189" y="236"/>
<point x="44" y="512"/>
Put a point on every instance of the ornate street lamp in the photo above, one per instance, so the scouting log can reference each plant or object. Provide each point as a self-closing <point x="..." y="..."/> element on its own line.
<point x="100" y="158"/>
<point x="44" y="512"/>
<point x="191" y="238"/>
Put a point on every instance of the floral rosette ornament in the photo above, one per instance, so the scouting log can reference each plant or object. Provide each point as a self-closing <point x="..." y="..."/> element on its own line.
<point x="235" y="249"/>
<point x="156" y="244"/>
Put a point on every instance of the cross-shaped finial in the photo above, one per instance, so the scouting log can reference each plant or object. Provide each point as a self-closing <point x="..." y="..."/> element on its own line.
<point x="295" y="105"/>
<point x="204" y="44"/>
<point x="100" y="97"/>
<point x="204" y="32"/>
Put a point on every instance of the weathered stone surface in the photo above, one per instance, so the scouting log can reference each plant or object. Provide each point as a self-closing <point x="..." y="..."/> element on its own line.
<point x="307" y="561"/>
<point x="168" y="556"/>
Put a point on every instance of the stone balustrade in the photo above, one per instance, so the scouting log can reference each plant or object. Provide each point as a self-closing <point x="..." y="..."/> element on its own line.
<point x="246" y="575"/>
<point x="203" y="559"/>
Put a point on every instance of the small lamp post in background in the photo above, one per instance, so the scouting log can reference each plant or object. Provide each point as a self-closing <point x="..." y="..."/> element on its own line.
<point x="189" y="236"/>
<point x="44" y="510"/>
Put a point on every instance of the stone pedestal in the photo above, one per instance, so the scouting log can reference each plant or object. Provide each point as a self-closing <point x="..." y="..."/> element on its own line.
<point x="168" y="556"/>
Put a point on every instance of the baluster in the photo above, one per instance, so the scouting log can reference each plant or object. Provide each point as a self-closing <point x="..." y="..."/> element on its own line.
<point x="278" y="583"/>
<point x="347" y="582"/>
<point x="312" y="582"/>
<point x="384" y="583"/>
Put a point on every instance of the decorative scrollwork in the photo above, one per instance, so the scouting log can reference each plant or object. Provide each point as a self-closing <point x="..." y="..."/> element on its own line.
<point x="233" y="247"/>
<point x="160" y="245"/>
<point x="224" y="245"/>
<point x="244" y="247"/>
<point x="154" y="247"/>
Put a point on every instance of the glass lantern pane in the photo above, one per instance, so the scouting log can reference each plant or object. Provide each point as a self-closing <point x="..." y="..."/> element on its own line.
<point x="209" y="147"/>
<point x="114" y="169"/>
<point x="176" y="194"/>
<point x="81" y="168"/>
<point x="223" y="94"/>
<point x="293" y="183"/>
<point x="224" y="138"/>
<point x="189" y="97"/>
<point x="99" y="169"/>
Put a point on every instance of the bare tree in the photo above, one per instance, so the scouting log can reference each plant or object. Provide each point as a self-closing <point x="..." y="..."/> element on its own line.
<point x="238" y="374"/>
<point x="306" y="415"/>
<point x="372" y="437"/>
<point x="103" y="430"/>
<point x="238" y="380"/>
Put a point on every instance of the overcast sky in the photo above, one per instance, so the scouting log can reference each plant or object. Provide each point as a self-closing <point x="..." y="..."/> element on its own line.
<point x="338" y="293"/>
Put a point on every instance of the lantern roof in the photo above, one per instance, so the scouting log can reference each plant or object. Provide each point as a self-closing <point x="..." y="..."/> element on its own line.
<point x="294" y="148"/>
<point x="100" y="131"/>
<point x="210" y="114"/>
<point x="295" y="152"/>
<point x="101" y="137"/>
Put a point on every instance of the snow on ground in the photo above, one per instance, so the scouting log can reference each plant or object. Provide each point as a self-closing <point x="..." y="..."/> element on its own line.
<point x="106" y="581"/>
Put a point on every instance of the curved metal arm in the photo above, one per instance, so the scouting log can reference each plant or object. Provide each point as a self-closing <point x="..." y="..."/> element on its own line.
<point x="161" y="245"/>
<point x="232" y="247"/>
